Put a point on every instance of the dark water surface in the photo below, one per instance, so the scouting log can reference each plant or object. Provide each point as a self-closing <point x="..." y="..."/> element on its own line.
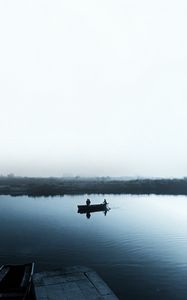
<point x="139" y="247"/>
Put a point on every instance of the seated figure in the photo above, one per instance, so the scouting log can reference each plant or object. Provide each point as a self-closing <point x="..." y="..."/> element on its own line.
<point x="88" y="202"/>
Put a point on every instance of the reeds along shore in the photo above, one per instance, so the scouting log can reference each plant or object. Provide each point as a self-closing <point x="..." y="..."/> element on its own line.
<point x="16" y="186"/>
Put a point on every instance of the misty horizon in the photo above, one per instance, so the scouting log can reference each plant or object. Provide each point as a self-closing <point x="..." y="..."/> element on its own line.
<point x="93" y="88"/>
<point x="94" y="177"/>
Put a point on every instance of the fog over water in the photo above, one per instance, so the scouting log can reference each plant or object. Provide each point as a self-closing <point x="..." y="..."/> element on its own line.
<point x="93" y="87"/>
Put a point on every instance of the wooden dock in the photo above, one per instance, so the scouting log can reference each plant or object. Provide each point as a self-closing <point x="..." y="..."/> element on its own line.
<point x="73" y="283"/>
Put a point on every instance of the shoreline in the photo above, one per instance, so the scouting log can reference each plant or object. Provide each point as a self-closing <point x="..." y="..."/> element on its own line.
<point x="21" y="186"/>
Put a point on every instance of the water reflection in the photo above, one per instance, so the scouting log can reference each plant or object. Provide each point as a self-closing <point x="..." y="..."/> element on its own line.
<point x="88" y="214"/>
<point x="139" y="249"/>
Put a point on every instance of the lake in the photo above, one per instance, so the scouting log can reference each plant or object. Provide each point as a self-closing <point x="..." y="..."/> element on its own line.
<point x="139" y="248"/>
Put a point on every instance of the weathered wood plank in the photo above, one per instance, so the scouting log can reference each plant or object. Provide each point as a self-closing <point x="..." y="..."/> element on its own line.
<point x="55" y="292"/>
<point x="40" y="292"/>
<point x="89" y="290"/>
<point x="99" y="284"/>
<point x="63" y="278"/>
<point x="38" y="279"/>
<point x="72" y="291"/>
<point x="75" y="269"/>
<point x="74" y="283"/>
<point x="110" y="297"/>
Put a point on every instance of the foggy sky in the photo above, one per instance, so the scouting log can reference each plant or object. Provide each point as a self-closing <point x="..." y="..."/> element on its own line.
<point x="93" y="87"/>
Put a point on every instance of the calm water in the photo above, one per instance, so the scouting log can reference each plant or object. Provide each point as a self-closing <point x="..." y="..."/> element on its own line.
<point x="139" y="247"/>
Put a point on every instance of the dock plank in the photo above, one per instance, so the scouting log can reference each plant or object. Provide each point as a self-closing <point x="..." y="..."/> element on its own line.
<point x="99" y="284"/>
<point x="72" y="291"/>
<point x="63" y="278"/>
<point x="89" y="290"/>
<point x="74" y="283"/>
<point x="110" y="297"/>
<point x="55" y="292"/>
<point x="38" y="279"/>
<point x="40" y="293"/>
<point x="75" y="269"/>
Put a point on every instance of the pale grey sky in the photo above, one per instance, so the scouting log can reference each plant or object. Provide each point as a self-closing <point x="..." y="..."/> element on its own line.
<point x="93" y="87"/>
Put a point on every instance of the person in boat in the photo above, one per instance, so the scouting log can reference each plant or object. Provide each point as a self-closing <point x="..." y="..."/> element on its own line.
<point x="105" y="202"/>
<point x="88" y="202"/>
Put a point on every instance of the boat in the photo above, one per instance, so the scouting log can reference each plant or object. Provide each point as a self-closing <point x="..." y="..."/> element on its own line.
<point x="92" y="208"/>
<point x="15" y="281"/>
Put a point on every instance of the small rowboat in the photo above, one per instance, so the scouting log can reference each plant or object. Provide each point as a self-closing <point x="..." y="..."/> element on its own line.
<point x="92" y="208"/>
<point x="15" y="281"/>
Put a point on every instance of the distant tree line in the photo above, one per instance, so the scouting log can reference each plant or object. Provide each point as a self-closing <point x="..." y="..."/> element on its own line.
<point x="15" y="186"/>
